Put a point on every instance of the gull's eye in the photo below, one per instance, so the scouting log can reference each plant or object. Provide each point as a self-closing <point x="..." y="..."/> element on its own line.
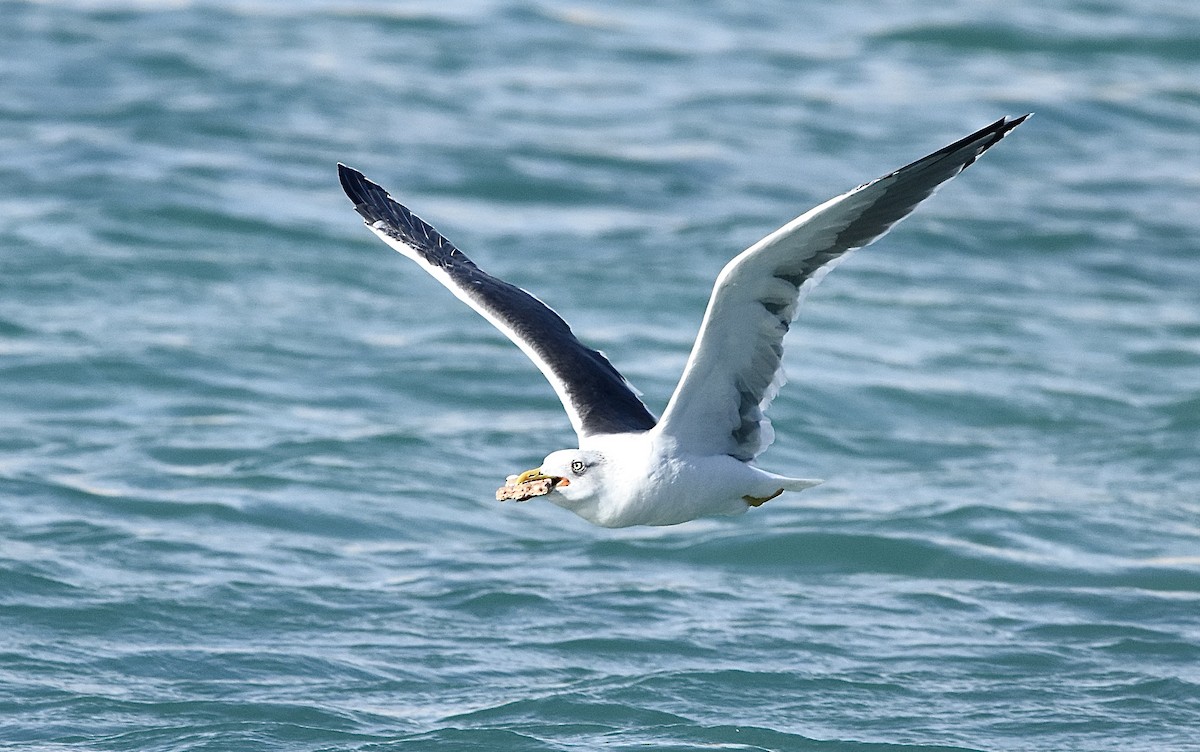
<point x="578" y="467"/>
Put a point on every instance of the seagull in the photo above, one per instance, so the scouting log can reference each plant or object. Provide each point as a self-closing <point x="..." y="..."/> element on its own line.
<point x="697" y="460"/>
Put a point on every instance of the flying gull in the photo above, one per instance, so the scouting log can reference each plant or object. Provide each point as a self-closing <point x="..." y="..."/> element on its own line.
<point x="697" y="460"/>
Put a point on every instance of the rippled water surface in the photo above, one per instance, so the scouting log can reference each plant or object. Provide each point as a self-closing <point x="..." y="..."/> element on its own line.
<point x="247" y="453"/>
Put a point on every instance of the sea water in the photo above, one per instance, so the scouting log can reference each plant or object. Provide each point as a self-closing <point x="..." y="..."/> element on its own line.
<point x="247" y="452"/>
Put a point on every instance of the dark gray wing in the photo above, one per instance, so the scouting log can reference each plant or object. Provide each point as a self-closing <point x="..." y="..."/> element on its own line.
<point x="597" y="398"/>
<point x="734" y="370"/>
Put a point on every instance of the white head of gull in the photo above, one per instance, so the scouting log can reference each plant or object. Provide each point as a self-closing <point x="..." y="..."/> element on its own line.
<point x="698" y="459"/>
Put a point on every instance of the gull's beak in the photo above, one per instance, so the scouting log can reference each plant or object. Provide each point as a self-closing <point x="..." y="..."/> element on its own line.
<point x="537" y="475"/>
<point x="534" y="474"/>
<point x="529" y="484"/>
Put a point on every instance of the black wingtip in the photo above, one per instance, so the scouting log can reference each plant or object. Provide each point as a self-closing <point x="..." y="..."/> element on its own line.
<point x="370" y="200"/>
<point x="998" y="130"/>
<point x="990" y="135"/>
<point x="1008" y="123"/>
<point x="383" y="213"/>
<point x="353" y="182"/>
<point x="978" y="142"/>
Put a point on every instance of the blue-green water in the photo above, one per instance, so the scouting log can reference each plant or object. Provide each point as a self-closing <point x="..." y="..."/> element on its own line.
<point x="247" y="453"/>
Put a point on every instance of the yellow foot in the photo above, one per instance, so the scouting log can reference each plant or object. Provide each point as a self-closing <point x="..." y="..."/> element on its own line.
<point x="758" y="501"/>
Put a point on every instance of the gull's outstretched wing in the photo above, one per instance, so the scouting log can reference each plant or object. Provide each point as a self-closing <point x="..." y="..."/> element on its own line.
<point x="597" y="398"/>
<point x="734" y="370"/>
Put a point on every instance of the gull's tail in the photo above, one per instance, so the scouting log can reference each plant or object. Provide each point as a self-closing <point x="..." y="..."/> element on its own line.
<point x="798" y="484"/>
<point x="777" y="485"/>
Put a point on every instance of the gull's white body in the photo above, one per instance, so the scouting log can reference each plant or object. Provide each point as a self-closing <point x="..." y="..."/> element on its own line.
<point x="648" y="479"/>
<point x="697" y="461"/>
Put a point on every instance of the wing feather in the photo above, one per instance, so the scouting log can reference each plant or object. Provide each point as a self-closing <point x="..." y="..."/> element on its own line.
<point x="734" y="370"/>
<point x="596" y="396"/>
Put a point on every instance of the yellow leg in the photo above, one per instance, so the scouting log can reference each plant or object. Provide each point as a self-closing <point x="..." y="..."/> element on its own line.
<point x="758" y="501"/>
